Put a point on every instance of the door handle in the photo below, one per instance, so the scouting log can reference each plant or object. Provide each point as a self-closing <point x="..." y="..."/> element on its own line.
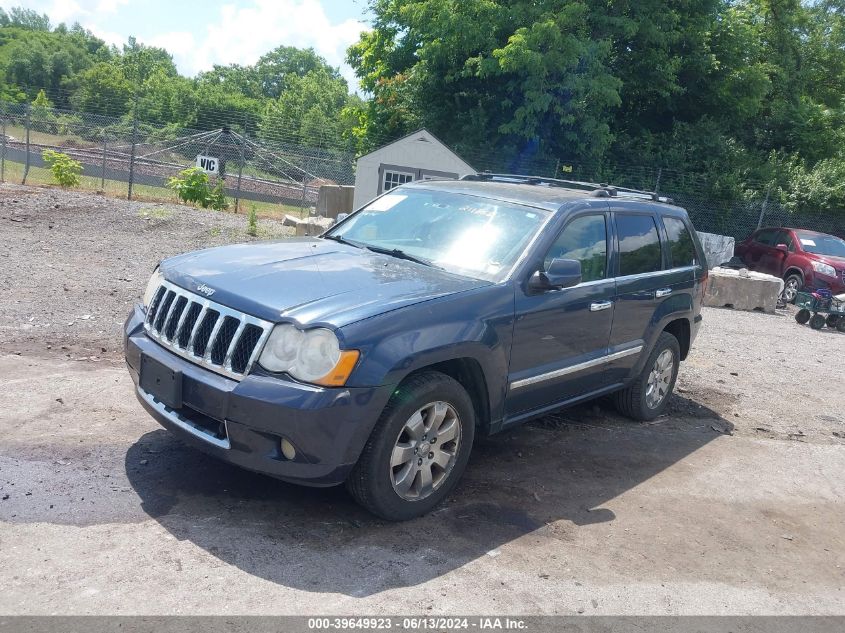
<point x="663" y="292"/>
<point x="598" y="306"/>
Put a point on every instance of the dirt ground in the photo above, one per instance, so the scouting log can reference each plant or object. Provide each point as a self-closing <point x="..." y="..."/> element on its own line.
<point x="730" y="504"/>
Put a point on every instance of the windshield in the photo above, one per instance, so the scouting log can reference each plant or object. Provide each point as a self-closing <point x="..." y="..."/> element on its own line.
<point x="471" y="236"/>
<point x="822" y="244"/>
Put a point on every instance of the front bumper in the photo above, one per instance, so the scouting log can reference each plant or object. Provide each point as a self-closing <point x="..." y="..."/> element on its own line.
<point x="244" y="422"/>
<point x="836" y="285"/>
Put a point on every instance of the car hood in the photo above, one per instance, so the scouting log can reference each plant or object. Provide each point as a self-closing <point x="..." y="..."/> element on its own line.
<point x="310" y="280"/>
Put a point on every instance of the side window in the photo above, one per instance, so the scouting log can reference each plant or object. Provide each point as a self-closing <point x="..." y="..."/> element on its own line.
<point x="394" y="179"/>
<point x="584" y="239"/>
<point x="784" y="237"/>
<point x="639" y="245"/>
<point x="766" y="236"/>
<point x="681" y="245"/>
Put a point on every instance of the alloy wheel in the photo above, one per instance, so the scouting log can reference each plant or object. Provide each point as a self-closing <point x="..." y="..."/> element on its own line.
<point x="790" y="290"/>
<point x="660" y="378"/>
<point x="425" y="451"/>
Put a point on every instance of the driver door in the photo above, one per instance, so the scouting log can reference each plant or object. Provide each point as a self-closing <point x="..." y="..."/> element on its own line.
<point x="561" y="336"/>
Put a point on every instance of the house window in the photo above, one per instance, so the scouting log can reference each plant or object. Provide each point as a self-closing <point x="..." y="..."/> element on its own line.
<point x="395" y="178"/>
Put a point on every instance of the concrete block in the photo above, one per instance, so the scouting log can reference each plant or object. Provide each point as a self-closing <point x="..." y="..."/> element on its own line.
<point x="718" y="249"/>
<point x="743" y="290"/>
<point x="313" y="225"/>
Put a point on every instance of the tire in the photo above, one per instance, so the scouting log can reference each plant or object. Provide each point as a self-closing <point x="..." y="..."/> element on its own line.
<point x="803" y="316"/>
<point x="792" y="284"/>
<point x="379" y="481"/>
<point x="841" y="325"/>
<point x="817" y="322"/>
<point x="635" y="401"/>
<point x="832" y="321"/>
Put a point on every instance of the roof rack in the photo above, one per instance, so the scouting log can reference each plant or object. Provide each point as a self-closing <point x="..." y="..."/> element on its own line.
<point x="597" y="190"/>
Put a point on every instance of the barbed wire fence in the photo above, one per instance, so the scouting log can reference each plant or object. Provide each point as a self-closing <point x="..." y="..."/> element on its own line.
<point x="283" y="170"/>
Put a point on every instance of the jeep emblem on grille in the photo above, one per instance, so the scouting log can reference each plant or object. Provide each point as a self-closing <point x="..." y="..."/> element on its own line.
<point x="206" y="290"/>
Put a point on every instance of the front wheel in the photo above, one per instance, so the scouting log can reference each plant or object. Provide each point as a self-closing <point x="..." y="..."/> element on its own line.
<point x="817" y="322"/>
<point x="649" y="395"/>
<point x="418" y="449"/>
<point x="791" y="285"/>
<point x="803" y="316"/>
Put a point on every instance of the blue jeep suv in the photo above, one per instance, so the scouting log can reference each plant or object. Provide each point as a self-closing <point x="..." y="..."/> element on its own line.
<point x="442" y="310"/>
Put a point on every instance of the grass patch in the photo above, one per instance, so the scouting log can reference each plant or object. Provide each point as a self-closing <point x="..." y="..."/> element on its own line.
<point x="156" y="213"/>
<point x="145" y="193"/>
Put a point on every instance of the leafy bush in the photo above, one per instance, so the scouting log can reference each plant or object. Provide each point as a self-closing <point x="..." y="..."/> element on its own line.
<point x="192" y="185"/>
<point x="217" y="198"/>
<point x="65" y="170"/>
<point x="252" y="222"/>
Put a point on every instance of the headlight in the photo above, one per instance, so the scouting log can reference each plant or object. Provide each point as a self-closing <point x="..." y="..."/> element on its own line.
<point x="152" y="286"/>
<point x="312" y="356"/>
<point x="824" y="269"/>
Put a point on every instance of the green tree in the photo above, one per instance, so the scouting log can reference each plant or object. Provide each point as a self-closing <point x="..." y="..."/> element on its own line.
<point x="274" y="69"/>
<point x="309" y="110"/>
<point x="103" y="89"/>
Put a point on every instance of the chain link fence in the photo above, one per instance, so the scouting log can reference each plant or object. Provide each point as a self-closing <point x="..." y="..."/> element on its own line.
<point x="280" y="172"/>
<point x="136" y="159"/>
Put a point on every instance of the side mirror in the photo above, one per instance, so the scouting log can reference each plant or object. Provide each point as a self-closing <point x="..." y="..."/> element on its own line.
<point x="783" y="248"/>
<point x="562" y="273"/>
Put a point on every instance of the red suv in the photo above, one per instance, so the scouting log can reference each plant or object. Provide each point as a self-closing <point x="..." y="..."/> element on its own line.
<point x="801" y="258"/>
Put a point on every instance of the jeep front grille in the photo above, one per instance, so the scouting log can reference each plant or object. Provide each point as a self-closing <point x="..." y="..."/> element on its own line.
<point x="205" y="332"/>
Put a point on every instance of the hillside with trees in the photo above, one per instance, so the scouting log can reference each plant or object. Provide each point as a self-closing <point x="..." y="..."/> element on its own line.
<point x="732" y="98"/>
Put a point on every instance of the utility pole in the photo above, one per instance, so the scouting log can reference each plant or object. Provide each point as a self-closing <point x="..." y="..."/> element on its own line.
<point x="657" y="184"/>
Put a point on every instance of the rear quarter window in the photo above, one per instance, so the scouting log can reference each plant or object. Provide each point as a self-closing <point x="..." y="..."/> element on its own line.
<point x="681" y="246"/>
<point x="639" y="245"/>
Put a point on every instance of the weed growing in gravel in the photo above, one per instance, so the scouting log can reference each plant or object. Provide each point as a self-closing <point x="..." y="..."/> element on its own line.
<point x="252" y="222"/>
<point x="157" y="213"/>
<point x="192" y="185"/>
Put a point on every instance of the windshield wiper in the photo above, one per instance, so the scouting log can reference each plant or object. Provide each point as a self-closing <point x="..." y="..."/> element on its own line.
<point x="400" y="254"/>
<point x="342" y="240"/>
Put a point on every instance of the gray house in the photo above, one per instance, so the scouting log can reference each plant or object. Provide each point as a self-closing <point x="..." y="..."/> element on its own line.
<point x="418" y="156"/>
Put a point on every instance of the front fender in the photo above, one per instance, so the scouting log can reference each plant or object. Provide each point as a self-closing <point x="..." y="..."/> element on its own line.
<point x="476" y="325"/>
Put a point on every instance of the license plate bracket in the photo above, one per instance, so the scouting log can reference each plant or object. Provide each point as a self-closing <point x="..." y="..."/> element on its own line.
<point x="161" y="382"/>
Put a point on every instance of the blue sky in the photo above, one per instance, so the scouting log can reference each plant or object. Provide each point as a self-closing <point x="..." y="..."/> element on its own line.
<point x="201" y="33"/>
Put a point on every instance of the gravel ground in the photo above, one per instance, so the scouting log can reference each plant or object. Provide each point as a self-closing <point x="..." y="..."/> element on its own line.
<point x="732" y="503"/>
<point x="74" y="263"/>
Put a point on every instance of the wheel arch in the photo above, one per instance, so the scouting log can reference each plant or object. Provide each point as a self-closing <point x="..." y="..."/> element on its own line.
<point x="680" y="329"/>
<point x="467" y="372"/>
<point x="794" y="269"/>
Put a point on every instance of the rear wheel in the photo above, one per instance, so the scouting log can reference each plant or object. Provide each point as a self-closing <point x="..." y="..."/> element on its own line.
<point x="649" y="395"/>
<point x="841" y="325"/>
<point x="418" y="449"/>
<point x="817" y="322"/>
<point x="803" y="316"/>
<point x="791" y="285"/>
<point x="832" y="321"/>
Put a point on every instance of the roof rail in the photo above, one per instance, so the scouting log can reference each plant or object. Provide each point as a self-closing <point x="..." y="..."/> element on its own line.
<point x="598" y="190"/>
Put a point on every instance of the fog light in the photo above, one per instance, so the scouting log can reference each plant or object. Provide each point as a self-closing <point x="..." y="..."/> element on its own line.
<point x="287" y="449"/>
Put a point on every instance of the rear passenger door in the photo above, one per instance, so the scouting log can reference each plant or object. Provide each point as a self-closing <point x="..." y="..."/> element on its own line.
<point x="641" y="285"/>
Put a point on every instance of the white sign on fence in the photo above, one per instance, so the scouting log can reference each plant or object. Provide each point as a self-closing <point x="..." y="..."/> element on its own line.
<point x="208" y="164"/>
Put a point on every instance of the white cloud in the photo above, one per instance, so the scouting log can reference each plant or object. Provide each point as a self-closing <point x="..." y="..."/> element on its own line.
<point x="241" y="34"/>
<point x="234" y="34"/>
<point x="110" y="6"/>
<point x="63" y="10"/>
